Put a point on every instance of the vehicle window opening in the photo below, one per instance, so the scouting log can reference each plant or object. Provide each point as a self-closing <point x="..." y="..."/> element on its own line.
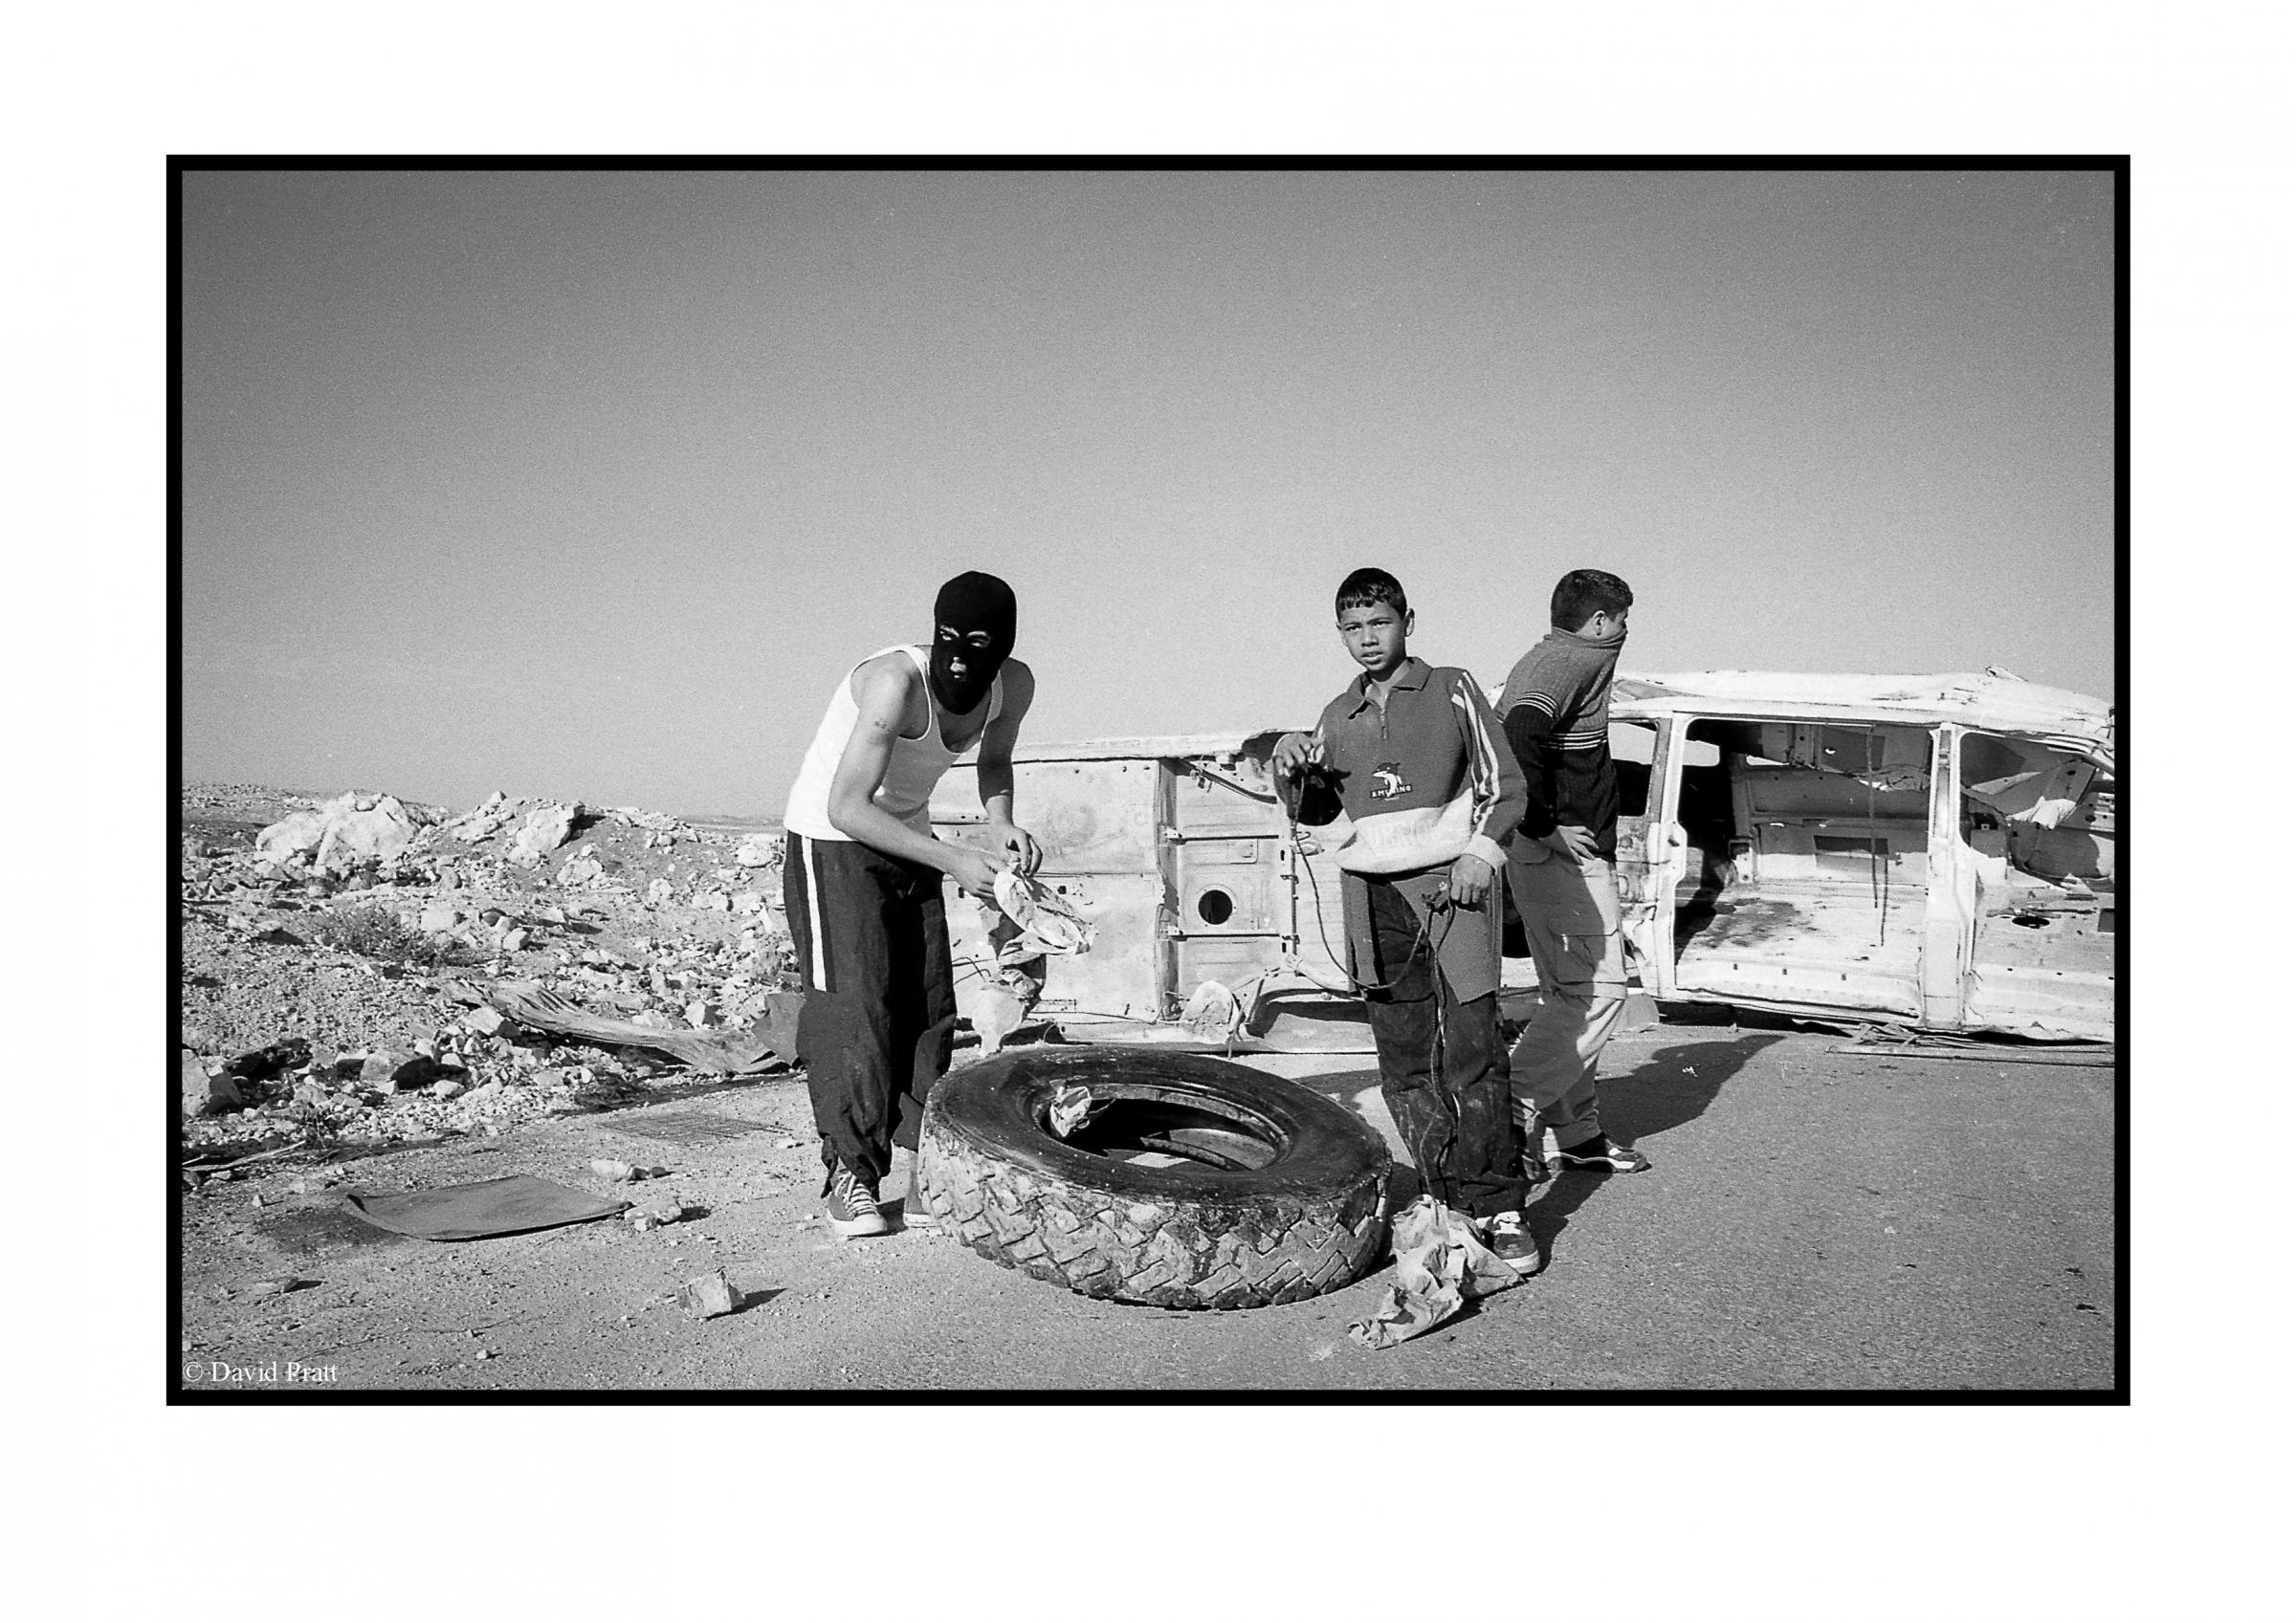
<point x="2037" y="811"/>
<point x="1633" y="747"/>
<point x="2037" y="827"/>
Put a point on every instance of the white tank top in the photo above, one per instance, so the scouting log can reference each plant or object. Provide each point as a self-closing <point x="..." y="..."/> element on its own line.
<point x="915" y="768"/>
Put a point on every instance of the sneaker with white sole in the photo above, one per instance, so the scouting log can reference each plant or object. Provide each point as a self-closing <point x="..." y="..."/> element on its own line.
<point x="853" y="1206"/>
<point x="1510" y="1242"/>
<point x="1600" y="1154"/>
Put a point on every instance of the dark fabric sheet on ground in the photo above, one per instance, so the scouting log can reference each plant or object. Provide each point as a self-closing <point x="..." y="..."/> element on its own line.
<point x="479" y="1211"/>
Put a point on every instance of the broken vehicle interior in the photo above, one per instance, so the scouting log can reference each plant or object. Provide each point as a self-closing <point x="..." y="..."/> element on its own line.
<point x="1936" y="852"/>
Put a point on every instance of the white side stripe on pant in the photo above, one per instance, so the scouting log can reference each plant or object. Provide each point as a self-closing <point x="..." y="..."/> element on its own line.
<point x="819" y="948"/>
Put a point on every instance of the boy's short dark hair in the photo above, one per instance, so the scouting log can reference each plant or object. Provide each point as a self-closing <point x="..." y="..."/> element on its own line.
<point x="1584" y="593"/>
<point x="1364" y="587"/>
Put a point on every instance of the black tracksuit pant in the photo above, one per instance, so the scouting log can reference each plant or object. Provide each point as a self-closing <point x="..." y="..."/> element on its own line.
<point x="1444" y="1075"/>
<point x="881" y="1009"/>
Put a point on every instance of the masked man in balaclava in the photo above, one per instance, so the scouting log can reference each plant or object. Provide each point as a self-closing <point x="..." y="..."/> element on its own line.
<point x="862" y="883"/>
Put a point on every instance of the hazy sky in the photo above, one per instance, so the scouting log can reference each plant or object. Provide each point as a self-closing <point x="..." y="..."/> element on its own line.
<point x="594" y="484"/>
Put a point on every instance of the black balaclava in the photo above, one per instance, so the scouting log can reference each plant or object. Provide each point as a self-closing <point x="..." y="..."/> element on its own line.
<point x="973" y="602"/>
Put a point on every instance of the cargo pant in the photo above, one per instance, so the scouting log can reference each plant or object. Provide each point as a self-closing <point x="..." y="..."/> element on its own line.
<point x="1442" y="1066"/>
<point x="881" y="1009"/>
<point x="1570" y="911"/>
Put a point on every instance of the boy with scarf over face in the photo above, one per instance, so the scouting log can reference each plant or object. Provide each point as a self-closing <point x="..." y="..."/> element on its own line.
<point x="1429" y="791"/>
<point x="862" y="880"/>
<point x="1556" y="707"/>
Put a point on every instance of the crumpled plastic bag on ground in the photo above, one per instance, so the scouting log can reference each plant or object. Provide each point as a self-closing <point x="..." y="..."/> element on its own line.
<point x="1213" y="1014"/>
<point x="1440" y="1263"/>
<point x="995" y="1013"/>
<point x="1072" y="1106"/>
<point x="1049" y="921"/>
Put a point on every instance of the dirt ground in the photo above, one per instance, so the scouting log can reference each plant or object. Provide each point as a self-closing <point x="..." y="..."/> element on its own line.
<point x="1814" y="1221"/>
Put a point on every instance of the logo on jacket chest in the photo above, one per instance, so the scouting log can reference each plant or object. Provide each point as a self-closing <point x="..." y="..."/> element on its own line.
<point x="1387" y="780"/>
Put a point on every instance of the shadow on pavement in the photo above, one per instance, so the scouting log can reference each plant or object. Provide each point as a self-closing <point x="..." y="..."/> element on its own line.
<point x="1673" y="1085"/>
<point x="1665" y="1089"/>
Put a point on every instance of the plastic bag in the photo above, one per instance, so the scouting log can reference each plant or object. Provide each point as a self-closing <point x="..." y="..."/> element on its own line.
<point x="1440" y="1263"/>
<point x="1049" y="921"/>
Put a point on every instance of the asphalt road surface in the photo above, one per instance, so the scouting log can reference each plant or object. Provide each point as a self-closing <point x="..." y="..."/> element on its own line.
<point x="1813" y="1222"/>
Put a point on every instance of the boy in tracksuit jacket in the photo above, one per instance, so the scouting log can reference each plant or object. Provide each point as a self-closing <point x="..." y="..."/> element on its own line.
<point x="1429" y="792"/>
<point x="1556" y="707"/>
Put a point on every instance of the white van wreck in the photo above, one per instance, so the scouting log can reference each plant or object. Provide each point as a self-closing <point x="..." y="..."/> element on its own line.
<point x="1936" y="852"/>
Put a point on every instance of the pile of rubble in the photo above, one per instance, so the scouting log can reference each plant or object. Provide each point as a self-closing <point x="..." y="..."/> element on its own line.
<point x="337" y="958"/>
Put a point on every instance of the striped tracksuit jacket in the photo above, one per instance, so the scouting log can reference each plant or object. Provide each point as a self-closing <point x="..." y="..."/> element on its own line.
<point x="1424" y="780"/>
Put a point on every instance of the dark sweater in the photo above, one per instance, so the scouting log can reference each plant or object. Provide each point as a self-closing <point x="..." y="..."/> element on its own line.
<point x="1556" y="709"/>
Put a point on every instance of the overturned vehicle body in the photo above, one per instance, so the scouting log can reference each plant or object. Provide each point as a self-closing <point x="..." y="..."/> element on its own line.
<point x="1936" y="852"/>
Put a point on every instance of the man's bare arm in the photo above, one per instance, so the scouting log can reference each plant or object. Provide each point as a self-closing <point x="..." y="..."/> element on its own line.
<point x="881" y="692"/>
<point x="995" y="767"/>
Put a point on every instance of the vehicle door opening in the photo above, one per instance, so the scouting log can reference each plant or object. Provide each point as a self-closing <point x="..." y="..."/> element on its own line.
<point x="1802" y="869"/>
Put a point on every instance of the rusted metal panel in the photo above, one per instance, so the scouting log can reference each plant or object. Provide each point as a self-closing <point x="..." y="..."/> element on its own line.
<point x="1096" y="818"/>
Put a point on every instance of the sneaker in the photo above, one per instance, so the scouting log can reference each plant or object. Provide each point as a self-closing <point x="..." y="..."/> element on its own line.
<point x="1510" y="1242"/>
<point x="915" y="1213"/>
<point x="853" y="1205"/>
<point x="1600" y="1154"/>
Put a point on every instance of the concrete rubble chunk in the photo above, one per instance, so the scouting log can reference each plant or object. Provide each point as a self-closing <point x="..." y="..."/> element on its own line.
<point x="580" y="870"/>
<point x="709" y="1296"/>
<point x="759" y="850"/>
<point x="657" y="1211"/>
<point x="347" y="833"/>
<point x="488" y="1022"/>
<point x="291" y="836"/>
<point x="206" y="1095"/>
<point x="543" y="832"/>
<point x="482" y="821"/>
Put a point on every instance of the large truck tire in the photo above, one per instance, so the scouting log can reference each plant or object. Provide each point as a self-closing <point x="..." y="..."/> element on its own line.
<point x="1192" y="1183"/>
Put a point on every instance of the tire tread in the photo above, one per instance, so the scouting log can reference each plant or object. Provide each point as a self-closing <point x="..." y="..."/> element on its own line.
<point x="1259" y="1249"/>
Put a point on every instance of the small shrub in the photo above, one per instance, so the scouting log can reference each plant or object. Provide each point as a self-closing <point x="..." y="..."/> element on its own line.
<point x="375" y="932"/>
